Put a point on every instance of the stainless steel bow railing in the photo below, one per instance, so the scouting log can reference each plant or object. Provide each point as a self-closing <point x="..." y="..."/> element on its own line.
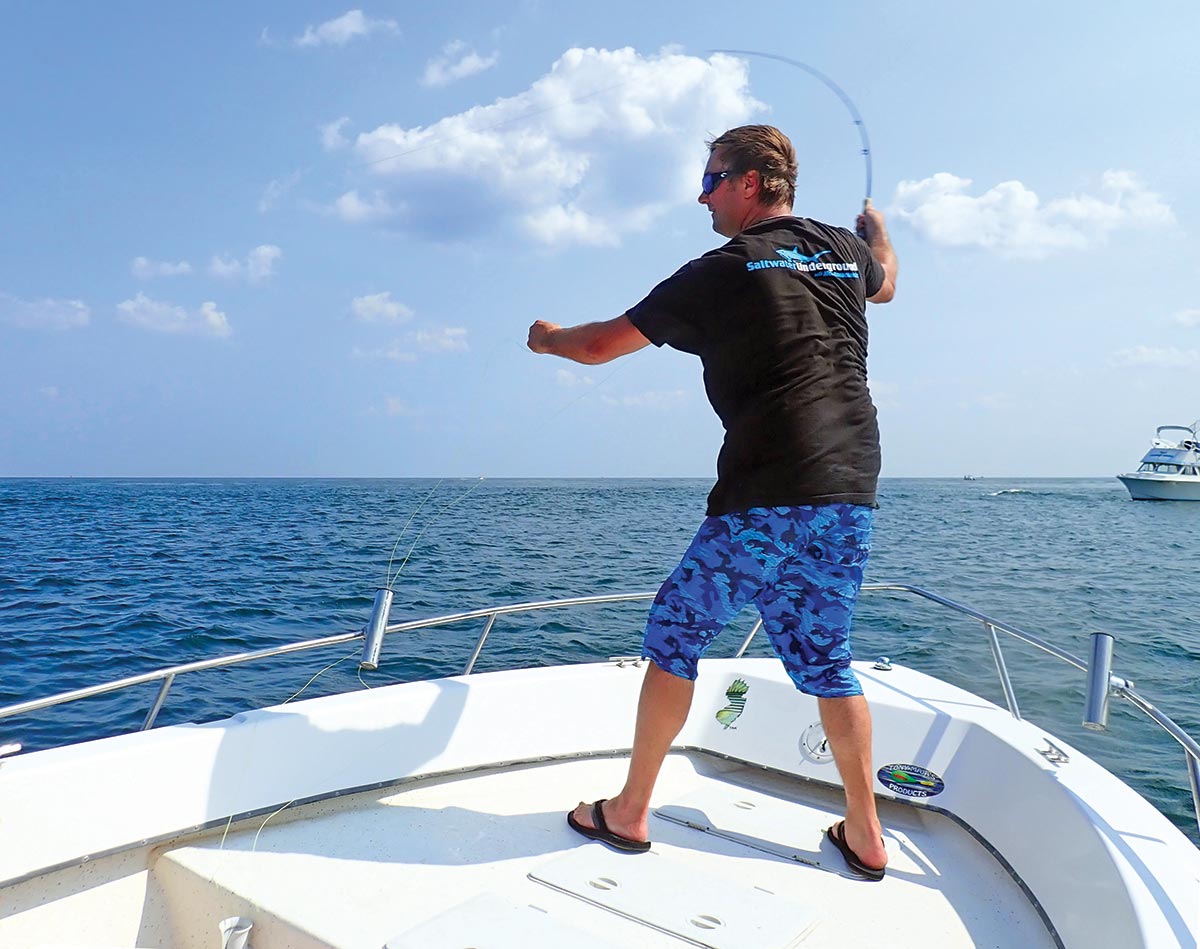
<point x="1102" y="684"/>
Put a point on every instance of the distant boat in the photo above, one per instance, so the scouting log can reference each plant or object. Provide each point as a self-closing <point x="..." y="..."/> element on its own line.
<point x="972" y="477"/>
<point x="1170" y="470"/>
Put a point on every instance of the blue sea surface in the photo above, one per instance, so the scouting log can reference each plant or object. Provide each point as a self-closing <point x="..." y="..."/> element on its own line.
<point x="101" y="579"/>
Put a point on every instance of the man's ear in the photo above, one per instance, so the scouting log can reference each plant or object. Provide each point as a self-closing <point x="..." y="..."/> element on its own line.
<point x="751" y="183"/>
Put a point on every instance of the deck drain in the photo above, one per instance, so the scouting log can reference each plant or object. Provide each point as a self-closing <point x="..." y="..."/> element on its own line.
<point x="744" y="805"/>
<point x="603" y="883"/>
<point x="704" y="921"/>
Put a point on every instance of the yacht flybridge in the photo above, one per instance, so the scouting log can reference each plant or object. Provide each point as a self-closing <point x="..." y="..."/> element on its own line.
<point x="1170" y="470"/>
<point x="432" y="814"/>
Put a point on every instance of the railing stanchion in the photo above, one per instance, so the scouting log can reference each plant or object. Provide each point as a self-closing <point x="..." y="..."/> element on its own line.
<point x="1193" y="766"/>
<point x="158" y="702"/>
<point x="746" y="645"/>
<point x="1005" y="682"/>
<point x="479" y="645"/>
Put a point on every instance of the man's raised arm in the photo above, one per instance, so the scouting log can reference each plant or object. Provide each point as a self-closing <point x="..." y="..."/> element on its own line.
<point x="871" y="226"/>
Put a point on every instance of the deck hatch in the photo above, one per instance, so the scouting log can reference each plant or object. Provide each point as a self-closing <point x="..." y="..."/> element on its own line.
<point x="765" y="823"/>
<point x="708" y="910"/>
<point x="492" y="921"/>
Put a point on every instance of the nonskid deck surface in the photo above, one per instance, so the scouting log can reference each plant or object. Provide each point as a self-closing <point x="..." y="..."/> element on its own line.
<point x="739" y="858"/>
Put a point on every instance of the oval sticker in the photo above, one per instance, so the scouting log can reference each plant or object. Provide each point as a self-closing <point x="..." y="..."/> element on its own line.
<point x="910" y="780"/>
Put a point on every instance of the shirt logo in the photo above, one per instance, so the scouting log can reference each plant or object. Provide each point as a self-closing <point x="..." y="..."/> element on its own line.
<point x="794" y="254"/>
<point x="794" y="260"/>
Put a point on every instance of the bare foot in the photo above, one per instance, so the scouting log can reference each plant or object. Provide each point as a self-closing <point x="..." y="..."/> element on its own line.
<point x="631" y="827"/>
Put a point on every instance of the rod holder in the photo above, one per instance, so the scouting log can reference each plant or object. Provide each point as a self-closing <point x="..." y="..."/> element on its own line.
<point x="375" y="630"/>
<point x="1099" y="681"/>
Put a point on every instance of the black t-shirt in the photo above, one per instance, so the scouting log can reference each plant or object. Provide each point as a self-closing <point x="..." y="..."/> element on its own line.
<point x="778" y="319"/>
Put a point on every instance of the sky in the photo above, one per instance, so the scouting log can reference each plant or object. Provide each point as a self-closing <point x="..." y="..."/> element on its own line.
<point x="306" y="239"/>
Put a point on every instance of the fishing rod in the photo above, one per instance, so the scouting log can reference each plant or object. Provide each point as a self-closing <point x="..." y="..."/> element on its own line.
<point x="836" y="89"/>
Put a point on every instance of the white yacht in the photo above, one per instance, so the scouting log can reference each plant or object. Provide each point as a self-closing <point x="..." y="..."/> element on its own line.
<point x="1170" y="471"/>
<point x="431" y="815"/>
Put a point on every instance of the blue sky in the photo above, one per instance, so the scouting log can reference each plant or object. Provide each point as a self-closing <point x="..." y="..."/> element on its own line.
<point x="306" y="239"/>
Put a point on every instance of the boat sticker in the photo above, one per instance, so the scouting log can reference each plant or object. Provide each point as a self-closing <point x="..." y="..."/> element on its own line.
<point x="736" y="693"/>
<point x="910" y="780"/>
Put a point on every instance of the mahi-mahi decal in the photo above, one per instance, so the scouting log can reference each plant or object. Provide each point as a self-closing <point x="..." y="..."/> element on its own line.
<point x="736" y="693"/>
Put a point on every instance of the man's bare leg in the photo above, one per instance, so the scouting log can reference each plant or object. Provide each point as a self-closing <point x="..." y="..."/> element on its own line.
<point x="662" y="710"/>
<point x="847" y="724"/>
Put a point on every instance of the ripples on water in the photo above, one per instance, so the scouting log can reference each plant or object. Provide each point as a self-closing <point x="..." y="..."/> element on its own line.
<point x="102" y="579"/>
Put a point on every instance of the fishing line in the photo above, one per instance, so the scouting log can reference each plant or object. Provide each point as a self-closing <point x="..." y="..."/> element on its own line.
<point x="837" y="90"/>
<point x="390" y="579"/>
<point x="387" y="573"/>
<point x="254" y="846"/>
<point x="428" y="524"/>
<point x="321" y="673"/>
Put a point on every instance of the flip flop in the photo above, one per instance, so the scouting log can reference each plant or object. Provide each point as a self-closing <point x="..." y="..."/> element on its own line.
<point x="601" y="832"/>
<point x="836" y="834"/>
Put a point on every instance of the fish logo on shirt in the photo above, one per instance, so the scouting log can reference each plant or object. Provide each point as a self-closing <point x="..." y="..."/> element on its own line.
<point x="794" y="254"/>
<point x="736" y="693"/>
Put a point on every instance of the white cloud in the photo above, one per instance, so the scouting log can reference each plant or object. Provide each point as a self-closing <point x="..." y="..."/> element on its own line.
<point x="43" y="314"/>
<point x="145" y="269"/>
<point x="340" y="31"/>
<point x="380" y="308"/>
<point x="258" y="265"/>
<point x="445" y="339"/>
<point x="456" y="62"/>
<point x="1187" y="318"/>
<point x="601" y="145"/>
<point x="275" y="190"/>
<point x="649" y="400"/>
<point x="332" y="138"/>
<point x="354" y="210"/>
<point x="569" y="225"/>
<point x="569" y="380"/>
<point x="1011" y="220"/>
<point x="1161" y="357"/>
<point x="49" y="393"/>
<point x="159" y="317"/>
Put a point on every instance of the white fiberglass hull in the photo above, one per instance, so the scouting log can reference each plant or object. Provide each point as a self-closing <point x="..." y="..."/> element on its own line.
<point x="1156" y="487"/>
<point x="457" y="828"/>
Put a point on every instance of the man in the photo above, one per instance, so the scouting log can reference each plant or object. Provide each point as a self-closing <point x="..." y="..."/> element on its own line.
<point x="777" y="317"/>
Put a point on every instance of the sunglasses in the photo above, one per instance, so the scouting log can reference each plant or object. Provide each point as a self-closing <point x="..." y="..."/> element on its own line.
<point x="711" y="179"/>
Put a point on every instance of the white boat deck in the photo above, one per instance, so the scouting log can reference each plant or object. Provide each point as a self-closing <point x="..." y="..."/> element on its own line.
<point x="486" y="859"/>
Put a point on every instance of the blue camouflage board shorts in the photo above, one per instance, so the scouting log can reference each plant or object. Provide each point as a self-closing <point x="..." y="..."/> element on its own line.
<point x="802" y="566"/>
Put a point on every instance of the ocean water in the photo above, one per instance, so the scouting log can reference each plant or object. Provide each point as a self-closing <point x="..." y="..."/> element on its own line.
<point x="101" y="579"/>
